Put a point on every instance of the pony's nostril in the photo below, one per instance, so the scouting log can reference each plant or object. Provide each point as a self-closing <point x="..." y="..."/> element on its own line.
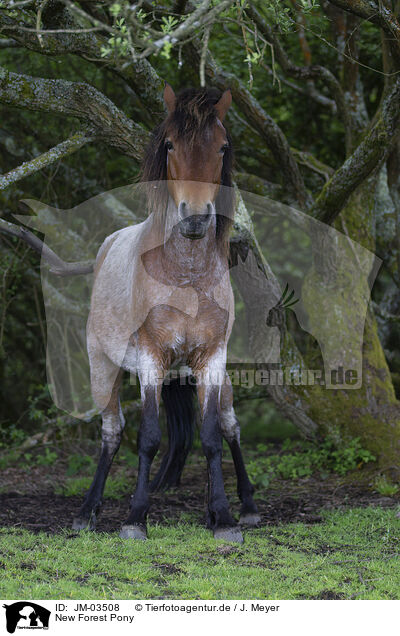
<point x="182" y="209"/>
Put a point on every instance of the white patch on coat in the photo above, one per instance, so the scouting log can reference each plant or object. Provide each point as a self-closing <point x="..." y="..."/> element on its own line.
<point x="112" y="424"/>
<point x="229" y="425"/>
<point x="150" y="375"/>
<point x="214" y="373"/>
<point x="130" y="361"/>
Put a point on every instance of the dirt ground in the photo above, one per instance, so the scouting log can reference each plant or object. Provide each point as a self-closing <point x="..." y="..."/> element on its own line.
<point x="28" y="501"/>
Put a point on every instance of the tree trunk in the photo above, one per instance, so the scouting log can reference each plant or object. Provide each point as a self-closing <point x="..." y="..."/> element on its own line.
<point x="370" y="412"/>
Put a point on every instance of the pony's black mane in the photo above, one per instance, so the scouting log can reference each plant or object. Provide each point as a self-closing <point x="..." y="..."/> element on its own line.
<point x="193" y="117"/>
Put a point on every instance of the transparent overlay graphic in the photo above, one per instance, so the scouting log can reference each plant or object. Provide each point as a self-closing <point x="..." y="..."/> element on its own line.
<point x="298" y="285"/>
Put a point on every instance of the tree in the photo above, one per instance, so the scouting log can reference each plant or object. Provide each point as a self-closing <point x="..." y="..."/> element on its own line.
<point x="338" y="159"/>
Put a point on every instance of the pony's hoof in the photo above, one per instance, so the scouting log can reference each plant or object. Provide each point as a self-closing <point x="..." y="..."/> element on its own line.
<point x="133" y="532"/>
<point x="228" y="534"/>
<point x="250" y="519"/>
<point x="79" y="523"/>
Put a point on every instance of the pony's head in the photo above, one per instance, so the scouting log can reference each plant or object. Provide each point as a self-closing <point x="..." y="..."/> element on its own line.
<point x="192" y="152"/>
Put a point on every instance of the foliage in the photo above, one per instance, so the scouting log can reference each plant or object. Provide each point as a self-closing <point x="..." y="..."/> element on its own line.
<point x="385" y="487"/>
<point x="78" y="463"/>
<point x="47" y="459"/>
<point x="116" y="487"/>
<point x="41" y="406"/>
<point x="10" y="435"/>
<point x="353" y="554"/>
<point x="299" y="459"/>
<point x="137" y="34"/>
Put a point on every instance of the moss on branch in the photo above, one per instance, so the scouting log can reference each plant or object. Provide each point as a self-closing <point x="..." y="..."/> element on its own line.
<point x="139" y="75"/>
<point x="76" y="99"/>
<point x="373" y="149"/>
<point x="65" y="148"/>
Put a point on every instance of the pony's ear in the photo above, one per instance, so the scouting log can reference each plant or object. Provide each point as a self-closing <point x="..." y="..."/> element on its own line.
<point x="223" y="104"/>
<point x="169" y="97"/>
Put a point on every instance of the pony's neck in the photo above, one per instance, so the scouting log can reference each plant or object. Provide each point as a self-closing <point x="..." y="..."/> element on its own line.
<point x="200" y="252"/>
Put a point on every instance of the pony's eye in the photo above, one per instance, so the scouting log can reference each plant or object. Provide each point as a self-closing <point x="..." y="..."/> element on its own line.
<point x="223" y="148"/>
<point x="168" y="144"/>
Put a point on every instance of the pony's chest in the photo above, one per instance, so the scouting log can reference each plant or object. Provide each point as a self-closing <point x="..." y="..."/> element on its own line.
<point x="181" y="337"/>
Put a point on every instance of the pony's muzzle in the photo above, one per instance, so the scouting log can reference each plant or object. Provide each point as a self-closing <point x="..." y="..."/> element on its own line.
<point x="194" y="223"/>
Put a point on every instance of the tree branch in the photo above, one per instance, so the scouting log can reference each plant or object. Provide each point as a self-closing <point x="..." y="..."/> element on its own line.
<point x="312" y="163"/>
<point x="300" y="72"/>
<point x="65" y="148"/>
<point x="9" y="44"/>
<point x="374" y="149"/>
<point x="139" y="75"/>
<point x="262" y="187"/>
<point x="77" y="99"/>
<point x="203" y="13"/>
<point x="261" y="122"/>
<point x="58" y="266"/>
<point x="375" y="12"/>
<point x="309" y="90"/>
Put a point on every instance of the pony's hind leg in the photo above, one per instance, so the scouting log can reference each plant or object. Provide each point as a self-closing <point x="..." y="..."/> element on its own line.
<point x="112" y="426"/>
<point x="149" y="437"/>
<point x="231" y="431"/>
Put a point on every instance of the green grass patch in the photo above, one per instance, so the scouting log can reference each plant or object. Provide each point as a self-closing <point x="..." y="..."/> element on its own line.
<point x="385" y="487"/>
<point x="353" y="554"/>
<point x="116" y="487"/>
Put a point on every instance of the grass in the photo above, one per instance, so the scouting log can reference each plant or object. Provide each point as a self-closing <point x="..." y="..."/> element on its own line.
<point x="385" y="486"/>
<point x="353" y="554"/>
<point x="116" y="487"/>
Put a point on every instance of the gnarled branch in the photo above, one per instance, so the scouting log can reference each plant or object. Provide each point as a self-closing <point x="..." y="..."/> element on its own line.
<point x="57" y="265"/>
<point x="75" y="142"/>
<point x="139" y="75"/>
<point x="374" y="149"/>
<point x="311" y="72"/>
<point x="77" y="99"/>
<point x="261" y="122"/>
<point x="9" y="44"/>
<point x="376" y="12"/>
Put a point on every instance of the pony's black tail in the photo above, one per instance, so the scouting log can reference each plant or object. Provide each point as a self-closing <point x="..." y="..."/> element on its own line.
<point x="180" y="410"/>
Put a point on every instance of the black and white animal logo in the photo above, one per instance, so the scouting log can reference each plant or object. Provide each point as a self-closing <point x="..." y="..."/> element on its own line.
<point x="26" y="615"/>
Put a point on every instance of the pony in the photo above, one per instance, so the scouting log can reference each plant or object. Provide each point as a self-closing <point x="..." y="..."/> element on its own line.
<point x="162" y="297"/>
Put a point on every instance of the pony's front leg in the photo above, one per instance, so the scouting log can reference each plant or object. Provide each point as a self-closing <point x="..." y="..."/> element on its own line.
<point x="111" y="433"/>
<point x="149" y="437"/>
<point x="231" y="432"/>
<point x="219" y="518"/>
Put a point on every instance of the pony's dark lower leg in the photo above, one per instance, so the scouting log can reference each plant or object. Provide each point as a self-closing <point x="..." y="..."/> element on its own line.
<point x="111" y="434"/>
<point x="248" y="511"/>
<point x="231" y="431"/>
<point x="149" y="437"/>
<point x="219" y="518"/>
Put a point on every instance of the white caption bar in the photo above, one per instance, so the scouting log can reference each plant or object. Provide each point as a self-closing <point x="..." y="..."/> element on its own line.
<point x="131" y="617"/>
